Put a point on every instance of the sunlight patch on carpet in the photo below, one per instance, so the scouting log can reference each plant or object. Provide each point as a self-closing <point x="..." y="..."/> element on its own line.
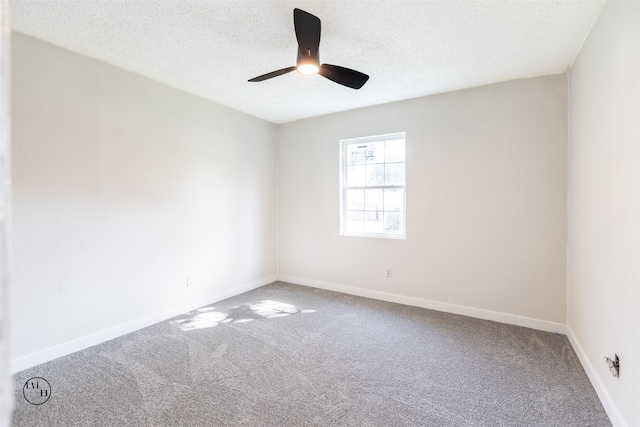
<point x="207" y="317"/>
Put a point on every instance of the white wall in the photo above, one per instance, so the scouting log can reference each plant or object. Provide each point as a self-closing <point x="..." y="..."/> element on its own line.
<point x="603" y="266"/>
<point x="6" y="386"/>
<point x="486" y="203"/>
<point x="123" y="187"/>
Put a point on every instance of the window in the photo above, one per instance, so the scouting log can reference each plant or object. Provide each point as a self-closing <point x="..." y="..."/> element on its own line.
<point x="372" y="180"/>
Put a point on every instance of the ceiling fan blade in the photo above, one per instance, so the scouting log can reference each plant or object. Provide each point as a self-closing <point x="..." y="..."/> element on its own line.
<point x="344" y="76"/>
<point x="272" y="74"/>
<point x="307" y="32"/>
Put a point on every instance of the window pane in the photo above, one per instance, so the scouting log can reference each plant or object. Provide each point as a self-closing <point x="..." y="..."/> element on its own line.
<point x="355" y="154"/>
<point x="374" y="153"/>
<point x="355" y="200"/>
<point x="394" y="174"/>
<point x="373" y="200"/>
<point x="355" y="221"/>
<point x="375" y="174"/>
<point x="394" y="199"/>
<point x="394" y="151"/>
<point x="373" y="221"/>
<point x="393" y="222"/>
<point x="356" y="176"/>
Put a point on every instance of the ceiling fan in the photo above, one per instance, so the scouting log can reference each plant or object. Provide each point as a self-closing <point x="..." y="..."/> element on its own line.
<point x="307" y="28"/>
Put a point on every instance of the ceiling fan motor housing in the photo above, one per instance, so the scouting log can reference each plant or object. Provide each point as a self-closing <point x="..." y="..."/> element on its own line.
<point x="305" y="57"/>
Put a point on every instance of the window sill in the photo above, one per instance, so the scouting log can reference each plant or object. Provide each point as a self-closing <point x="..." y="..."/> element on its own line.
<point x="375" y="235"/>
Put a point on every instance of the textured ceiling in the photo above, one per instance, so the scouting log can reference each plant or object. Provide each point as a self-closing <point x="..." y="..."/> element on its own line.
<point x="409" y="48"/>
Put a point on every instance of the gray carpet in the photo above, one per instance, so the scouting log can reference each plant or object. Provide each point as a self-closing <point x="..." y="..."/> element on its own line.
<point x="286" y="355"/>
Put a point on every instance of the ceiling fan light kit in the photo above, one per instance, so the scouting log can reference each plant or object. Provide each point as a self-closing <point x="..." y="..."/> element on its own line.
<point x="307" y="27"/>
<point x="307" y="66"/>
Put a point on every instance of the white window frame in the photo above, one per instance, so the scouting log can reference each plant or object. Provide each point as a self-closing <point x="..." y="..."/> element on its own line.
<point x="343" y="187"/>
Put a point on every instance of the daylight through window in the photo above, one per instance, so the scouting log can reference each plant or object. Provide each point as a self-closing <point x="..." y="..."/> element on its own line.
<point x="373" y="186"/>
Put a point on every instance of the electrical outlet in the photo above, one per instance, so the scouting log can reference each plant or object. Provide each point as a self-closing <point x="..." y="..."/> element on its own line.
<point x="614" y="365"/>
<point x="189" y="281"/>
<point x="389" y="273"/>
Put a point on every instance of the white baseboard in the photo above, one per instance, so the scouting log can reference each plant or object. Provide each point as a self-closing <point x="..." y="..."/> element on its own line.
<point x="42" y="356"/>
<point x="512" y="319"/>
<point x="605" y="398"/>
